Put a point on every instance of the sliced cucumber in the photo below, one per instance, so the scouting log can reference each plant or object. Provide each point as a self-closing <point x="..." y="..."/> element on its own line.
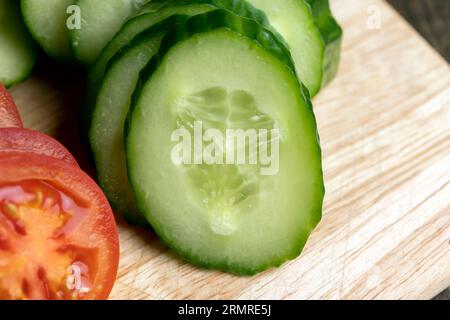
<point x="129" y="30"/>
<point x="152" y="14"/>
<point x="308" y="28"/>
<point x="313" y="36"/>
<point x="112" y="104"/>
<point x="149" y="15"/>
<point x="47" y="22"/>
<point x="106" y="133"/>
<point x="228" y="72"/>
<point x="17" y="50"/>
<point x="101" y="19"/>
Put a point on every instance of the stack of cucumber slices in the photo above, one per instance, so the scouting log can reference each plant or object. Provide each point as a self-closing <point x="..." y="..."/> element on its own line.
<point x="170" y="81"/>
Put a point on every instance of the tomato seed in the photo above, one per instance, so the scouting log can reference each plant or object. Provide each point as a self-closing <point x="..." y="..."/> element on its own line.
<point x="39" y="198"/>
<point x="11" y="211"/>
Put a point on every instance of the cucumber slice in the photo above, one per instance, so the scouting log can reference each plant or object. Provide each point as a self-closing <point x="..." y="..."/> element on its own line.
<point x="308" y="28"/>
<point x="17" y="50"/>
<point x="226" y="71"/>
<point x="149" y="15"/>
<point x="313" y="36"/>
<point x="101" y="19"/>
<point x="46" y="20"/>
<point x="112" y="104"/>
<point x="106" y="133"/>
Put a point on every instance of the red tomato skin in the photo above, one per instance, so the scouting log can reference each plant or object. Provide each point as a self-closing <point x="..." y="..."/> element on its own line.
<point x="17" y="167"/>
<point x="24" y="140"/>
<point x="9" y="115"/>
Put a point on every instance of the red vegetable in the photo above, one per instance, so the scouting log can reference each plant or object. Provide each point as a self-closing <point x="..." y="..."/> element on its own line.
<point x="24" y="140"/>
<point x="58" y="237"/>
<point x="9" y="115"/>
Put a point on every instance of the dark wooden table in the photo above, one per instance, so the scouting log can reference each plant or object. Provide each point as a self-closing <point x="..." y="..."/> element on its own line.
<point x="432" y="19"/>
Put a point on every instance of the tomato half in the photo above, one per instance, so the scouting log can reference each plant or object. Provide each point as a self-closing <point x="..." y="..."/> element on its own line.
<point x="58" y="237"/>
<point x="24" y="140"/>
<point x="9" y="115"/>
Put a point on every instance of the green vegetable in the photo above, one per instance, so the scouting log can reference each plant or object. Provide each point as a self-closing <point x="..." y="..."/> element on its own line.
<point x="312" y="34"/>
<point x="101" y="19"/>
<point x="111" y="107"/>
<point x="307" y="26"/>
<point x="150" y="14"/>
<point x="227" y="72"/>
<point x="47" y="22"/>
<point x="17" y="50"/>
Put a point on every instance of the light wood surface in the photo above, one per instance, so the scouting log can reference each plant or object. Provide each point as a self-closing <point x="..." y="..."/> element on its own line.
<point x="385" y="130"/>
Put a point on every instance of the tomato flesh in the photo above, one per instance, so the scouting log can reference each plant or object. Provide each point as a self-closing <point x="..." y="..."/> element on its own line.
<point x="58" y="238"/>
<point x="9" y="115"/>
<point x="35" y="219"/>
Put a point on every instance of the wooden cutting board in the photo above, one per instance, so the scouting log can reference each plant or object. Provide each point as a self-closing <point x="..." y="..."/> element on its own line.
<point x="385" y="130"/>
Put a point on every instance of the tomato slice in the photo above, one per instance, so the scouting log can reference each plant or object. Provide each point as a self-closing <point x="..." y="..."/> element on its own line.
<point x="58" y="237"/>
<point x="9" y="115"/>
<point x="24" y="140"/>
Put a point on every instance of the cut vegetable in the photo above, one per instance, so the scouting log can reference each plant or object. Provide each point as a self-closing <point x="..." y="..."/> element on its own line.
<point x="29" y="141"/>
<point x="112" y="105"/>
<point x="101" y="19"/>
<point x="151" y="14"/>
<point x="17" y="50"/>
<point x="307" y="26"/>
<point x="313" y="36"/>
<point x="226" y="72"/>
<point x="106" y="133"/>
<point x="157" y="11"/>
<point x="58" y="237"/>
<point x="47" y="22"/>
<point x="9" y="115"/>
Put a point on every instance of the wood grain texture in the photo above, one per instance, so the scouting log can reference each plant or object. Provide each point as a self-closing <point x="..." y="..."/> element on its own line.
<point x="432" y="19"/>
<point x="385" y="130"/>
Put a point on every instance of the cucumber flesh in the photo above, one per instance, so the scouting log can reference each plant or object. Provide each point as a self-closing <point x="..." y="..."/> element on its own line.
<point x="136" y="25"/>
<point x="151" y="13"/>
<point x="112" y="104"/>
<point x="17" y="50"/>
<point x="307" y="26"/>
<point x="106" y="133"/>
<point x="47" y="22"/>
<point x="228" y="72"/>
<point x="101" y="19"/>
<point x="312" y="34"/>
